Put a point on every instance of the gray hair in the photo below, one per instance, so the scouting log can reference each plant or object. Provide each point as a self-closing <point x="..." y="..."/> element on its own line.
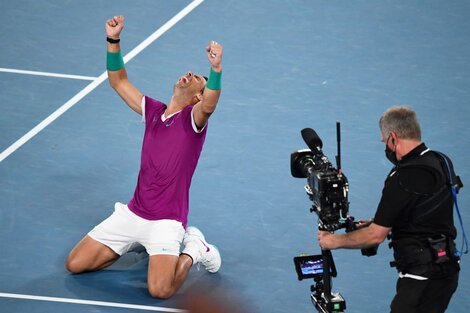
<point x="402" y="120"/>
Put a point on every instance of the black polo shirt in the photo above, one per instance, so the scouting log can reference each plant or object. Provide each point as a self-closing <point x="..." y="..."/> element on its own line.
<point x="406" y="201"/>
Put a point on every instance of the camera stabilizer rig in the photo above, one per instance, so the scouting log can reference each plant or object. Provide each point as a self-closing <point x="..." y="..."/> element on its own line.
<point x="328" y="189"/>
<point x="314" y="266"/>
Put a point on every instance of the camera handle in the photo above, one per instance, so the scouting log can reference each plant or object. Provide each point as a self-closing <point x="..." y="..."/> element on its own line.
<point x="321" y="296"/>
<point x="329" y="270"/>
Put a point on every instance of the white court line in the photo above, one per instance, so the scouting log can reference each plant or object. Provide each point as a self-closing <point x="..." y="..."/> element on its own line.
<point x="10" y="70"/>
<point x="90" y="302"/>
<point x="33" y="132"/>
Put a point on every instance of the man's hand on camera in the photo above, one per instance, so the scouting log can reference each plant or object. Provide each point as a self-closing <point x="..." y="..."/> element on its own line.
<point x="327" y="240"/>
<point x="364" y="237"/>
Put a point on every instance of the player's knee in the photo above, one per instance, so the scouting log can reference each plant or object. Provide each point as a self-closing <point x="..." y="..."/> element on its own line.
<point x="73" y="265"/>
<point x="161" y="292"/>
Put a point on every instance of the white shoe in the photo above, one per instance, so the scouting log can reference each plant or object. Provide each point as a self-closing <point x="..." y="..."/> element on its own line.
<point x="208" y="255"/>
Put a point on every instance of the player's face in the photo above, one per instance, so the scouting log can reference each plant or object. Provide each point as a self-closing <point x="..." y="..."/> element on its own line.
<point x="192" y="83"/>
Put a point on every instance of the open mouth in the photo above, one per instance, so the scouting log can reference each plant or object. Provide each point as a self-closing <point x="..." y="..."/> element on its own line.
<point x="184" y="80"/>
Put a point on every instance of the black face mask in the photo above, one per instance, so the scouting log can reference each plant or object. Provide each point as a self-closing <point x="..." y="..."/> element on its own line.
<point x="390" y="155"/>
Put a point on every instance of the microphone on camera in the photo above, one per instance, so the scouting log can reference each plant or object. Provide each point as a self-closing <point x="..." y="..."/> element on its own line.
<point x="312" y="140"/>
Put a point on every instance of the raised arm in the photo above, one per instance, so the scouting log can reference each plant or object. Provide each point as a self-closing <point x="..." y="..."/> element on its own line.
<point x="115" y="65"/>
<point x="203" y="109"/>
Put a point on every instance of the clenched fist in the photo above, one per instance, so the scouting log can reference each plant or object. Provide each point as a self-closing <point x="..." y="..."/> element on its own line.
<point x="114" y="26"/>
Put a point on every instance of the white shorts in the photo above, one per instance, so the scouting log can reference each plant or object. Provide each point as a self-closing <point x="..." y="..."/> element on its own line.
<point x="124" y="228"/>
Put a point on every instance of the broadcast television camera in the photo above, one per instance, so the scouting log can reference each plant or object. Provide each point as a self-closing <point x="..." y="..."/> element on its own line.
<point x="327" y="187"/>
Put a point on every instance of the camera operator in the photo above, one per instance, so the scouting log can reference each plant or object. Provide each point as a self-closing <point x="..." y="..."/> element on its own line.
<point x="416" y="208"/>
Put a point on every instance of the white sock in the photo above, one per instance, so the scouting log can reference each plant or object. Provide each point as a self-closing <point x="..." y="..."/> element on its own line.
<point x="192" y="249"/>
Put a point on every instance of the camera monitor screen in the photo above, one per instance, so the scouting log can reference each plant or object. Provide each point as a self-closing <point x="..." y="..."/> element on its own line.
<point x="310" y="266"/>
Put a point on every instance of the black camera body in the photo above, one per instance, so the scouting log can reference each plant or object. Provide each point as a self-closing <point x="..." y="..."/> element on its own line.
<point x="326" y="187"/>
<point x="329" y="192"/>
